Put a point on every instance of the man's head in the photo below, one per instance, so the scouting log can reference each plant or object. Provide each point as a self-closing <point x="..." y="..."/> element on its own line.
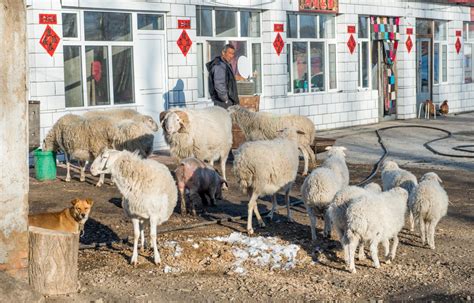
<point x="228" y="52"/>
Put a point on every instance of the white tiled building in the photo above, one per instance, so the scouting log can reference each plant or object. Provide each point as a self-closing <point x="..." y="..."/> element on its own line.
<point x="125" y="54"/>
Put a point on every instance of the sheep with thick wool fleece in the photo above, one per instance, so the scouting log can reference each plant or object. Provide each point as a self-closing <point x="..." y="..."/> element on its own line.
<point x="117" y="115"/>
<point x="81" y="139"/>
<point x="428" y="203"/>
<point x="375" y="218"/>
<point x="266" y="167"/>
<point x="205" y="134"/>
<point x="265" y="126"/>
<point x="393" y="176"/>
<point x="148" y="189"/>
<point x="337" y="210"/>
<point x="134" y="136"/>
<point x="320" y="187"/>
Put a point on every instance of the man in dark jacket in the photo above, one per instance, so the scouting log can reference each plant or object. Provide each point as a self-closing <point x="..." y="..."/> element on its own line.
<point x="222" y="84"/>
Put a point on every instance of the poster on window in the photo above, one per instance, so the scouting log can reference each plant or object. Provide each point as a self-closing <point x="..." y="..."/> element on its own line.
<point x="325" y="6"/>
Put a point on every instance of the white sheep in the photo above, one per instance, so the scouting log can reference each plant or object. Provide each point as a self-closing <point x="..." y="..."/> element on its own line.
<point x="265" y="126"/>
<point x="393" y="176"/>
<point x="337" y="210"/>
<point x="132" y="136"/>
<point x="266" y="167"/>
<point x="205" y="134"/>
<point x="320" y="187"/>
<point x="429" y="203"/>
<point x="81" y="139"/>
<point x="375" y="218"/>
<point x="119" y="114"/>
<point x="148" y="189"/>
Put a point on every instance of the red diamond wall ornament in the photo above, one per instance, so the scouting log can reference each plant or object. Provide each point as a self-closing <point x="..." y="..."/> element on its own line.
<point x="409" y="44"/>
<point x="184" y="43"/>
<point x="278" y="44"/>
<point x="351" y="43"/>
<point x="49" y="40"/>
<point x="458" y="45"/>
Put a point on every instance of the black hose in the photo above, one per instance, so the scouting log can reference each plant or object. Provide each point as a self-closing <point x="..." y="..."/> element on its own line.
<point x="427" y="145"/>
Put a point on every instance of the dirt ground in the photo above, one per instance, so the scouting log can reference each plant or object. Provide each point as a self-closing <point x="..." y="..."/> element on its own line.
<point x="203" y="269"/>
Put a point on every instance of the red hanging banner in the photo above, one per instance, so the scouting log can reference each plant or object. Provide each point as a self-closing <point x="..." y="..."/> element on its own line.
<point x="49" y="40"/>
<point x="48" y="19"/>
<point x="458" y="45"/>
<point x="458" y="33"/>
<point x="184" y="43"/>
<point x="184" y="24"/>
<point x="351" y="29"/>
<point x="409" y="30"/>
<point x="409" y="44"/>
<point x="351" y="43"/>
<point x="278" y="27"/>
<point x="278" y="44"/>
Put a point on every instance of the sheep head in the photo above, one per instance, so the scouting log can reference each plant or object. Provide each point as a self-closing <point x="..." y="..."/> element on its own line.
<point x="175" y="121"/>
<point x="431" y="176"/>
<point x="373" y="187"/>
<point x="390" y="165"/>
<point x="150" y="122"/>
<point x="336" y="150"/>
<point x="290" y="133"/>
<point x="104" y="161"/>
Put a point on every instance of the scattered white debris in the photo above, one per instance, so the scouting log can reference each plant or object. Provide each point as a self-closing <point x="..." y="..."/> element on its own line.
<point x="262" y="251"/>
<point x="168" y="269"/>
<point x="195" y="245"/>
<point x="178" y="250"/>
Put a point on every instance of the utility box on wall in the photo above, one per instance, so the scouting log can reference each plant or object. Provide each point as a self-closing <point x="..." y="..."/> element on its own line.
<point x="33" y="125"/>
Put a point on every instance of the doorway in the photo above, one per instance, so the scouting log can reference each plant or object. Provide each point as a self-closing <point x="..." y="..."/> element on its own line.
<point x="423" y="70"/>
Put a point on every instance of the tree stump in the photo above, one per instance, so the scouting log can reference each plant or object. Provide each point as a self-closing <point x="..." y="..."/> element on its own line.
<point x="53" y="261"/>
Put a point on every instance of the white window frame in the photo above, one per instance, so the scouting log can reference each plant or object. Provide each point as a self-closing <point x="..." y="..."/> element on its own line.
<point x="440" y="43"/>
<point x="250" y="40"/>
<point x="82" y="43"/>
<point x="327" y="42"/>
<point x="360" y="40"/>
<point x="467" y="40"/>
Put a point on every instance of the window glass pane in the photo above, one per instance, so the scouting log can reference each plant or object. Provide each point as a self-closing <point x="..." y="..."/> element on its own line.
<point x="332" y="66"/>
<point x="249" y="24"/>
<point x="204" y="21"/>
<point x="100" y="26"/>
<point x="471" y="31"/>
<point x="436" y="63"/>
<point x="374" y="64"/>
<point x="445" y="63"/>
<point x="73" y="76"/>
<point x="226" y="23"/>
<point x="307" y="26"/>
<point x="257" y="66"/>
<point x="200" y="66"/>
<point x="363" y="27"/>
<point x="440" y="30"/>
<point x="423" y="27"/>
<point x="97" y="75"/>
<point x="464" y="28"/>
<point x="69" y="25"/>
<point x="317" y="66"/>
<point x="300" y="67"/>
<point x="240" y="64"/>
<point x="359" y="74"/>
<point x="150" y="22"/>
<point x="292" y="30"/>
<point x="288" y="66"/>
<point x="365" y="64"/>
<point x="467" y="63"/>
<point x="122" y="74"/>
<point x="215" y="48"/>
<point x="327" y="26"/>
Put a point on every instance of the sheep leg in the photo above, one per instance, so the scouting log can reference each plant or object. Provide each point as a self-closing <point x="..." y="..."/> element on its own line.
<point x="430" y="230"/>
<point x="223" y="160"/>
<point x="361" y="255"/>
<point x="393" y="252"/>
<point x="251" y="207"/>
<point x="422" y="231"/>
<point x="101" y="180"/>
<point x="274" y="205"/>
<point x="259" y="218"/>
<point x="83" y="171"/>
<point x="312" y="156"/>
<point x="142" y="236"/>
<point x="312" y="219"/>
<point x="68" y="168"/>
<point x="374" y="253"/>
<point x="327" y="225"/>
<point x="411" y="221"/>
<point x="306" y="160"/>
<point x="136" y="236"/>
<point x="156" y="253"/>
<point x="386" y="247"/>
<point x="352" y="241"/>
<point x="288" y="209"/>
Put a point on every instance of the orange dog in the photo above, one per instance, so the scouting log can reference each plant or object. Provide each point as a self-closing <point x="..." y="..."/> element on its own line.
<point x="69" y="220"/>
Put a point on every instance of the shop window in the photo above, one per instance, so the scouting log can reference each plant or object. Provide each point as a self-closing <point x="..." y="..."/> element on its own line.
<point x="311" y="53"/>
<point x="101" y="73"/>
<point x="468" y="51"/>
<point x="150" y="22"/>
<point x="73" y="76"/>
<point x="440" y="56"/>
<point x="100" y="26"/>
<point x="363" y="52"/>
<point x="70" y="25"/>
<point x="242" y="29"/>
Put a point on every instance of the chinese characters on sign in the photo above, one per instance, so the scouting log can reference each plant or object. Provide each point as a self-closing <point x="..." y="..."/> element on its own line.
<point x="184" y="24"/>
<point x="49" y="40"/>
<point x="409" y="42"/>
<point x="319" y="5"/>
<point x="184" y="43"/>
<point x="278" y="44"/>
<point x="48" y="19"/>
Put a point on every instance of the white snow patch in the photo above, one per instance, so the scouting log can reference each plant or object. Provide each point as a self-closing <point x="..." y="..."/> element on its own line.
<point x="195" y="245"/>
<point x="262" y="251"/>
<point x="178" y="250"/>
<point x="168" y="269"/>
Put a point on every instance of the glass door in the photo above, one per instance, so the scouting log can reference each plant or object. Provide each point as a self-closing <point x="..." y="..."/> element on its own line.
<point x="423" y="72"/>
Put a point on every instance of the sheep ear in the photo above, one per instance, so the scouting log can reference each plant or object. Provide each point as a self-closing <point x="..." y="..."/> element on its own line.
<point x="163" y="115"/>
<point x="439" y="179"/>
<point x="328" y="148"/>
<point x="300" y="132"/>
<point x="184" y="118"/>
